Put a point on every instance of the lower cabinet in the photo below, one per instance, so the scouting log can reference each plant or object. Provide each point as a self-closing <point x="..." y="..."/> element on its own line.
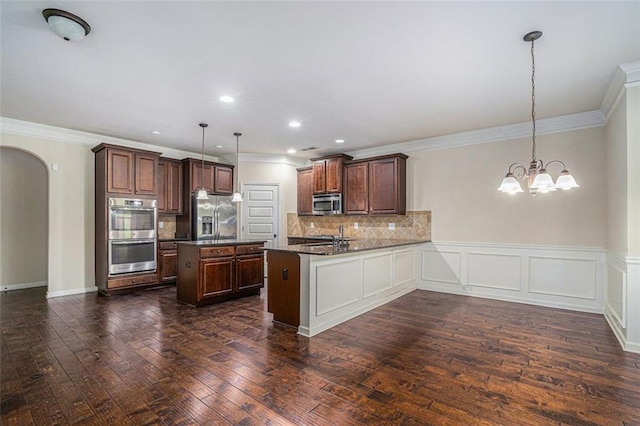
<point x="212" y="274"/>
<point x="167" y="261"/>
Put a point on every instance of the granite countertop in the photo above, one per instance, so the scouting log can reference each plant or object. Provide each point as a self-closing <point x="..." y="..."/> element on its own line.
<point x="206" y="243"/>
<point x="354" y="246"/>
<point x="162" y="240"/>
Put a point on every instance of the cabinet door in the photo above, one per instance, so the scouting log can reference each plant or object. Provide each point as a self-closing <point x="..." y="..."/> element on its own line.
<point x="356" y="196"/>
<point x="216" y="277"/>
<point x="173" y="187"/>
<point x="167" y="265"/>
<point x="384" y="191"/>
<point x="250" y="272"/>
<point x="223" y="180"/>
<point x="146" y="174"/>
<point x="305" y="191"/>
<point x="319" y="177"/>
<point x="119" y="171"/>
<point x="197" y="178"/>
<point x="333" y="175"/>
<point x="162" y="187"/>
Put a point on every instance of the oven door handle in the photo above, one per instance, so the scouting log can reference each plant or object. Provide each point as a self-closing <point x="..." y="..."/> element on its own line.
<point x="129" y="242"/>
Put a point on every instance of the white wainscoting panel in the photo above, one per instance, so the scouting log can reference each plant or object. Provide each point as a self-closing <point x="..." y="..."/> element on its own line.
<point x="340" y="285"/>
<point x="376" y="271"/>
<point x="441" y="265"/>
<point x="622" y="310"/>
<point x="404" y="266"/>
<point x="493" y="270"/>
<point x="563" y="277"/>
<point x="617" y="292"/>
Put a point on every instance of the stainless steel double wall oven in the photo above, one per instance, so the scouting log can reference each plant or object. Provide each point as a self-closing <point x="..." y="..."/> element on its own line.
<point x="132" y="235"/>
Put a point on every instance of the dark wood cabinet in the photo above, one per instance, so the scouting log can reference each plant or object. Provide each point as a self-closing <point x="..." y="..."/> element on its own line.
<point x="146" y="167"/>
<point x="169" y="186"/>
<point x="356" y="195"/>
<point x="223" y="179"/>
<point x="200" y="176"/>
<point x="376" y="185"/>
<point x="212" y="274"/>
<point x="119" y="171"/>
<point x="283" y="297"/>
<point x="305" y="191"/>
<point x="127" y="171"/>
<point x="327" y="173"/>
<point x="167" y="261"/>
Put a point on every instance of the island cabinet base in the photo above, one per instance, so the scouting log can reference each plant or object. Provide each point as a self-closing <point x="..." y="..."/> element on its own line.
<point x="217" y="273"/>
<point x="283" y="297"/>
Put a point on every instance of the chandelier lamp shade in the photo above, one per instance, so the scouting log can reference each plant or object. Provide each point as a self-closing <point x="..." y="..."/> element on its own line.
<point x="536" y="175"/>
<point x="202" y="193"/>
<point x="237" y="196"/>
<point x="66" y="25"/>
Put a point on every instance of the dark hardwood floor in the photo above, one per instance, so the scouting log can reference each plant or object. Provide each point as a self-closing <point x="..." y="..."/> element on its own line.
<point x="426" y="358"/>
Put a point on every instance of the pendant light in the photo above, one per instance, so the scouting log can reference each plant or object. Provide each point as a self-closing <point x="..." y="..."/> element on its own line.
<point x="202" y="193"/>
<point x="538" y="179"/>
<point x="66" y="25"/>
<point x="237" y="197"/>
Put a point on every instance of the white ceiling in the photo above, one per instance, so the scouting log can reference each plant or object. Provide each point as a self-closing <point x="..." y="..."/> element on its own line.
<point x="372" y="73"/>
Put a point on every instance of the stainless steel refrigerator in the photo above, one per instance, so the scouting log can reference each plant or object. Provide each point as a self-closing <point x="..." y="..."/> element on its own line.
<point x="214" y="218"/>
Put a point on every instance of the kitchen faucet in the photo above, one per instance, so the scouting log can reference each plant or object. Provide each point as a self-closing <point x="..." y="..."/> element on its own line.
<point x="338" y="240"/>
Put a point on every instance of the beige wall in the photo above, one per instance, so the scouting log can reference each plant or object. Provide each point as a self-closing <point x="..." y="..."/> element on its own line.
<point x="23" y="218"/>
<point x="633" y="169"/>
<point x="616" y="157"/>
<point x="71" y="218"/>
<point x="459" y="187"/>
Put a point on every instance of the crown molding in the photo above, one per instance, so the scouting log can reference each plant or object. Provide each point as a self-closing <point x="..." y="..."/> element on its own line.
<point x="564" y="123"/>
<point x="58" y="134"/>
<point x="627" y="75"/>
<point x="273" y="158"/>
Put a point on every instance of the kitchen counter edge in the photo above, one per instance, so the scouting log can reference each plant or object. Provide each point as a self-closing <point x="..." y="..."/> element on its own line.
<point x="355" y="246"/>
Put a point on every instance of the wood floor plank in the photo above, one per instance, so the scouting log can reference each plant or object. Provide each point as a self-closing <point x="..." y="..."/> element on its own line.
<point x="425" y="358"/>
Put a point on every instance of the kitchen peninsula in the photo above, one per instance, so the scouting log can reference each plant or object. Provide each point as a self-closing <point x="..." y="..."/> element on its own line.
<point x="212" y="271"/>
<point x="316" y="286"/>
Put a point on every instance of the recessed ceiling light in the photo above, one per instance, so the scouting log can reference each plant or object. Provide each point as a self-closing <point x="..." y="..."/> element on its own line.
<point x="226" y="98"/>
<point x="291" y="151"/>
<point x="218" y="146"/>
<point x="294" y="124"/>
<point x="156" y="132"/>
<point x="339" y="140"/>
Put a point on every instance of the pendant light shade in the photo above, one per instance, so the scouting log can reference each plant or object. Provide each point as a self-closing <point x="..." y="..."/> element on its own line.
<point x="538" y="179"/>
<point x="237" y="196"/>
<point x="202" y="193"/>
<point x="66" y="25"/>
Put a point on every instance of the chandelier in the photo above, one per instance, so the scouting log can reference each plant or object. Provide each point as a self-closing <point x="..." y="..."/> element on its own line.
<point x="538" y="179"/>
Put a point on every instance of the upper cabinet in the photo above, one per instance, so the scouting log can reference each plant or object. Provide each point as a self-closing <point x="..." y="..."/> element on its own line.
<point x="215" y="178"/>
<point x="127" y="171"/>
<point x="169" y="186"/>
<point x="327" y="173"/>
<point x="376" y="185"/>
<point x="305" y="191"/>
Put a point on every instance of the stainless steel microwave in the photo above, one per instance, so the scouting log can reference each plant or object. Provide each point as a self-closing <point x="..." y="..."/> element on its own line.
<point x="327" y="204"/>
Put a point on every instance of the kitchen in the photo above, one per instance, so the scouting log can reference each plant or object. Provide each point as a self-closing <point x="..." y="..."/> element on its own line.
<point x="590" y="229"/>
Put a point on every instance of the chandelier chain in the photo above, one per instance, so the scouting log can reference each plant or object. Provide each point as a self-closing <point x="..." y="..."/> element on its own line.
<point x="533" y="101"/>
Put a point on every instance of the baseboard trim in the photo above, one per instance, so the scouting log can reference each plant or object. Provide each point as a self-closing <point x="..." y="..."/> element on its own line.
<point x="71" y="292"/>
<point x="21" y="286"/>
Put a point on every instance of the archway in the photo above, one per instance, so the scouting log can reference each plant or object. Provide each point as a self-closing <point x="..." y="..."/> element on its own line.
<point x="24" y="220"/>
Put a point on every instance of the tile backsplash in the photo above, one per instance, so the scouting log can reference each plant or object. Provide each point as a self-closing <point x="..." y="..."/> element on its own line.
<point x="414" y="225"/>
<point x="168" y="230"/>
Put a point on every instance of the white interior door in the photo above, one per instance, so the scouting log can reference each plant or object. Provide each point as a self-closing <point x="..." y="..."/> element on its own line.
<point x="260" y="213"/>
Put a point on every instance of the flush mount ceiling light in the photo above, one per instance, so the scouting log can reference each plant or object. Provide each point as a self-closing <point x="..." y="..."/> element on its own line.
<point x="156" y="132"/>
<point x="237" y="197"/>
<point x="339" y="140"/>
<point x="291" y="151"/>
<point x="538" y="179"/>
<point x="294" y="124"/>
<point x="67" y="25"/>
<point x="202" y="193"/>
<point x="226" y="99"/>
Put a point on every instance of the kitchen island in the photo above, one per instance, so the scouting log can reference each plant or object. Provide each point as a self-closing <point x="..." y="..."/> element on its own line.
<point x="316" y="286"/>
<point x="213" y="271"/>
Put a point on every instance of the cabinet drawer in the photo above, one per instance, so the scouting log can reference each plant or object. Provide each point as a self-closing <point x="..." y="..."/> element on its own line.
<point x="131" y="281"/>
<point x="217" y="251"/>
<point x="249" y="249"/>
<point x="168" y="245"/>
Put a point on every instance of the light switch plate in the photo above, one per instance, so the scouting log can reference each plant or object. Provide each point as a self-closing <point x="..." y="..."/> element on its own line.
<point x="392" y="226"/>
<point x="355" y="225"/>
<point x="160" y="225"/>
